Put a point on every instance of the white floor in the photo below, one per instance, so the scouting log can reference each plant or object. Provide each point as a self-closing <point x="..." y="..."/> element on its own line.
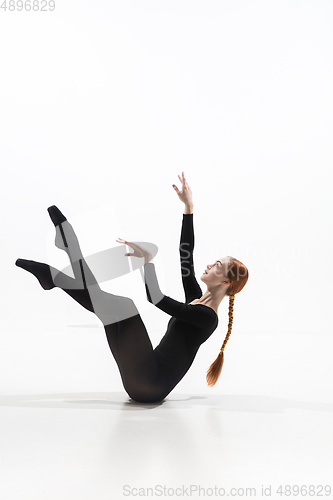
<point x="268" y="426"/>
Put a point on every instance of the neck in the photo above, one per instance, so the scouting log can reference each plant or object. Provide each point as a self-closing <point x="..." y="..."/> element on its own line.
<point x="212" y="298"/>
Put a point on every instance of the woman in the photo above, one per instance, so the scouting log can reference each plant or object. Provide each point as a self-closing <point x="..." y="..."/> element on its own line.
<point x="148" y="374"/>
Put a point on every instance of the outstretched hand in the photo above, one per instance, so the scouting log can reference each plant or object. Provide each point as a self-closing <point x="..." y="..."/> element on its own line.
<point x="185" y="195"/>
<point x="139" y="251"/>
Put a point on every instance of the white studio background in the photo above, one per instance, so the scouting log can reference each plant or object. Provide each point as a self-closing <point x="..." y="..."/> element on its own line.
<point x="103" y="104"/>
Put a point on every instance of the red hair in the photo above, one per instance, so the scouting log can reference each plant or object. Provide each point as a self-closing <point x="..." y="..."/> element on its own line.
<point x="238" y="274"/>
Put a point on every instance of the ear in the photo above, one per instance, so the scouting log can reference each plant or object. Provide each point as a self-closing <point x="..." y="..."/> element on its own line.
<point x="226" y="282"/>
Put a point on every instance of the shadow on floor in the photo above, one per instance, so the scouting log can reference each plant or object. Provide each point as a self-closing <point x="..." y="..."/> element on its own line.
<point x="120" y="401"/>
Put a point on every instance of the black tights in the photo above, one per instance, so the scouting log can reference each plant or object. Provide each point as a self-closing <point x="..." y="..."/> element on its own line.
<point x="127" y="336"/>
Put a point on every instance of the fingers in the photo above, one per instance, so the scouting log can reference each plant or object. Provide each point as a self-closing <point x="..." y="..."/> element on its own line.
<point x="183" y="182"/>
<point x="182" y="179"/>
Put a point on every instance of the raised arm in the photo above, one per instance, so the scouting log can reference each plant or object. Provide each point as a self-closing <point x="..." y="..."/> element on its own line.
<point x="191" y="286"/>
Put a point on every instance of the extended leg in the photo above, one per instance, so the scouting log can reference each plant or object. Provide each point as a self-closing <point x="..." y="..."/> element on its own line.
<point x="66" y="240"/>
<point x="108" y="311"/>
<point x="125" y="331"/>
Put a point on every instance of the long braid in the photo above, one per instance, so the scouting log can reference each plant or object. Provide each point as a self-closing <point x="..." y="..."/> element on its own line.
<point x="215" y="368"/>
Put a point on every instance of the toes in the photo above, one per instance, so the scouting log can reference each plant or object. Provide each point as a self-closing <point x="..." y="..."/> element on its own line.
<point x="56" y="216"/>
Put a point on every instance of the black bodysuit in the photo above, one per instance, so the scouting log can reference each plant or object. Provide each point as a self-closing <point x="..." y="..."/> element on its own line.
<point x="190" y="325"/>
<point x="148" y="374"/>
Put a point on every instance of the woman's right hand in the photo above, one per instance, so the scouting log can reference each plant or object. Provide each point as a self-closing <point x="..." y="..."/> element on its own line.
<point x="185" y="195"/>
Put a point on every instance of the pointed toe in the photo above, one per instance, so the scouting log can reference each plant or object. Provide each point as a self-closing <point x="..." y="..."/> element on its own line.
<point x="19" y="262"/>
<point x="56" y="216"/>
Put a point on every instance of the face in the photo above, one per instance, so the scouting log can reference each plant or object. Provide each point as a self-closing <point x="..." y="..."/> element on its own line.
<point x="215" y="273"/>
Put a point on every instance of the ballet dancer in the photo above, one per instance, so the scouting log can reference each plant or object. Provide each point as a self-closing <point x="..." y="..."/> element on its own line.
<point x="149" y="375"/>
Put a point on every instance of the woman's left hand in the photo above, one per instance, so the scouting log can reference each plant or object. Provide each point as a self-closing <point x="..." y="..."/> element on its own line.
<point x="138" y="250"/>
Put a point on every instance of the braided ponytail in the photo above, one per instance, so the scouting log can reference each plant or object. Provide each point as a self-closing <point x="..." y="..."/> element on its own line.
<point x="238" y="275"/>
<point x="215" y="368"/>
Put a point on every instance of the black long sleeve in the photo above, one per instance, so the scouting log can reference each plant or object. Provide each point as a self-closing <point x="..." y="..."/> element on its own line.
<point x="198" y="314"/>
<point x="186" y="246"/>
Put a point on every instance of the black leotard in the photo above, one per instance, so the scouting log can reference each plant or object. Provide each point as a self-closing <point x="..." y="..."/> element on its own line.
<point x="190" y="325"/>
